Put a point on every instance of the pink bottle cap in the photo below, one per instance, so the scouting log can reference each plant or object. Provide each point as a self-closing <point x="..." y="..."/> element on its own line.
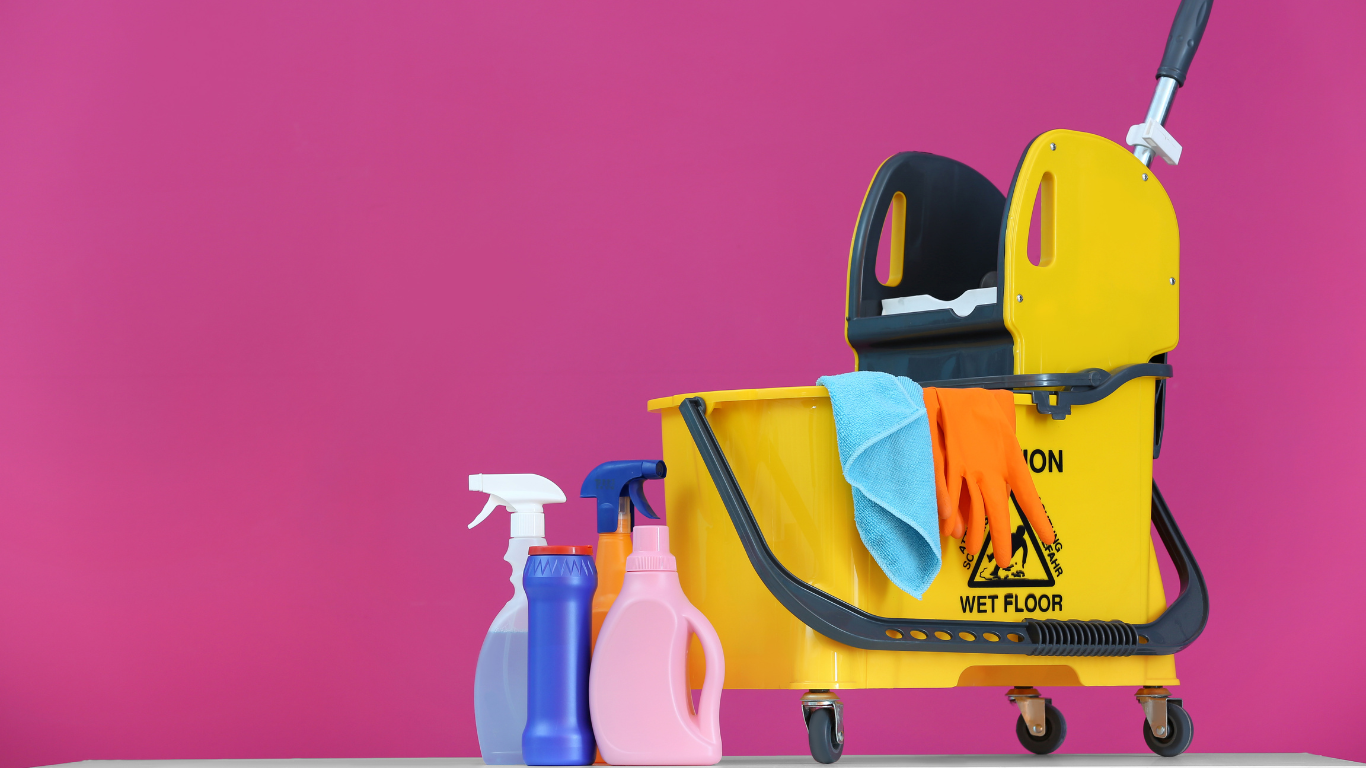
<point x="650" y="549"/>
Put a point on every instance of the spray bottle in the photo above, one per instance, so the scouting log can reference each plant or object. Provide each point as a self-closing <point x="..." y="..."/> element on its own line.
<point x="619" y="489"/>
<point x="500" y="683"/>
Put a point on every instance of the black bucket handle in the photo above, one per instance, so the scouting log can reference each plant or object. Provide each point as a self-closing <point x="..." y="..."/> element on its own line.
<point x="1174" y="630"/>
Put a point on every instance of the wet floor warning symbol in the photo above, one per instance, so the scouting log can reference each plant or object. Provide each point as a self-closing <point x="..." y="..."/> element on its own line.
<point x="1030" y="566"/>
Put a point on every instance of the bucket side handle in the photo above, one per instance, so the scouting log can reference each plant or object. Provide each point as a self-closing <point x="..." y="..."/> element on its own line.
<point x="836" y="619"/>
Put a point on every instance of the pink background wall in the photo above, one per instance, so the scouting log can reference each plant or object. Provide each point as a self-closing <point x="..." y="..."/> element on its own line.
<point x="275" y="277"/>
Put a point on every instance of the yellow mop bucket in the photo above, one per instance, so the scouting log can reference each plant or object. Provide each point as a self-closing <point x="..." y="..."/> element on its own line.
<point x="762" y="519"/>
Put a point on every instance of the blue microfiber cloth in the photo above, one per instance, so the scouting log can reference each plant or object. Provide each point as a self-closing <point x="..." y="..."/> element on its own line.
<point x="884" y="440"/>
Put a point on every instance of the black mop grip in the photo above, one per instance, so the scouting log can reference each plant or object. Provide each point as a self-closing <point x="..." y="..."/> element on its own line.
<point x="1184" y="39"/>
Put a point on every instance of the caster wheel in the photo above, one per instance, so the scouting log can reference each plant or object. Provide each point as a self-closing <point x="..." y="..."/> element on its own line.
<point x="820" y="732"/>
<point x="1055" y="730"/>
<point x="1179" y="732"/>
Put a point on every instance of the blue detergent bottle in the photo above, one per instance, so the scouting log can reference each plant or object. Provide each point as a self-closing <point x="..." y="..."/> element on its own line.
<point x="559" y="583"/>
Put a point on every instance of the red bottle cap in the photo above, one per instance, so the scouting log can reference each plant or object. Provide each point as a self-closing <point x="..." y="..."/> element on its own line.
<point x="560" y="551"/>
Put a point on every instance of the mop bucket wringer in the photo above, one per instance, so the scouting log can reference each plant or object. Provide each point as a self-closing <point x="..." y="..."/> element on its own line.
<point x="762" y="519"/>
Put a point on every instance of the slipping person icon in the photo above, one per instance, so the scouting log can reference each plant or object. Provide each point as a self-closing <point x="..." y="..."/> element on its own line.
<point x="1017" y="544"/>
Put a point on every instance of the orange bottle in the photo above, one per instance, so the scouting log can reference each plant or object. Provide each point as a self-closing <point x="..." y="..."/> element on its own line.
<point x="613" y="549"/>
<point x="618" y="487"/>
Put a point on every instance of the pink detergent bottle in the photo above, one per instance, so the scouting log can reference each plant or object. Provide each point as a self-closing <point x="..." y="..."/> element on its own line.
<point x="638" y="685"/>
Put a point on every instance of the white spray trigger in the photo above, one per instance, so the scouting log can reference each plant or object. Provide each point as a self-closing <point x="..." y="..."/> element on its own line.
<point x="494" y="503"/>
<point x="525" y="496"/>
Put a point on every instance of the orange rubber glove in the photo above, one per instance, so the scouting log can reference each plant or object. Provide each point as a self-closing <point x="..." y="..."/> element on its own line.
<point x="981" y="456"/>
<point x="950" y="521"/>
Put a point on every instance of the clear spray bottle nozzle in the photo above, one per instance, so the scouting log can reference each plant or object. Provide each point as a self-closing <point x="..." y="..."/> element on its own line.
<point x="525" y="496"/>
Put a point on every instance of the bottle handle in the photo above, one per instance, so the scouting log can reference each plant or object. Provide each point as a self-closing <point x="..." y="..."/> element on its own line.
<point x="709" y="704"/>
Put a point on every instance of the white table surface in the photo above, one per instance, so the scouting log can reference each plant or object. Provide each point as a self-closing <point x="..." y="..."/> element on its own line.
<point x="1250" y="760"/>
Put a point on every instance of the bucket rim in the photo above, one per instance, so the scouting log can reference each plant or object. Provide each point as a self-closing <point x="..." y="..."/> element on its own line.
<point x="738" y="395"/>
<point x="772" y="393"/>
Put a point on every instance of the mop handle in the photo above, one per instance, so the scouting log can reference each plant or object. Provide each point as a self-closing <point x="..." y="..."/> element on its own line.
<point x="1184" y="39"/>
<point x="1187" y="29"/>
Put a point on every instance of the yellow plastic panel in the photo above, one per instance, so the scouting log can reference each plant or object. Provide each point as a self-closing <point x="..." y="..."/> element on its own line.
<point x="1105" y="293"/>
<point x="782" y="447"/>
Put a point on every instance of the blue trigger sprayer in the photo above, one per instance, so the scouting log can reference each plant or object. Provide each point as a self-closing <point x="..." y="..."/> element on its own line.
<point x="619" y="489"/>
